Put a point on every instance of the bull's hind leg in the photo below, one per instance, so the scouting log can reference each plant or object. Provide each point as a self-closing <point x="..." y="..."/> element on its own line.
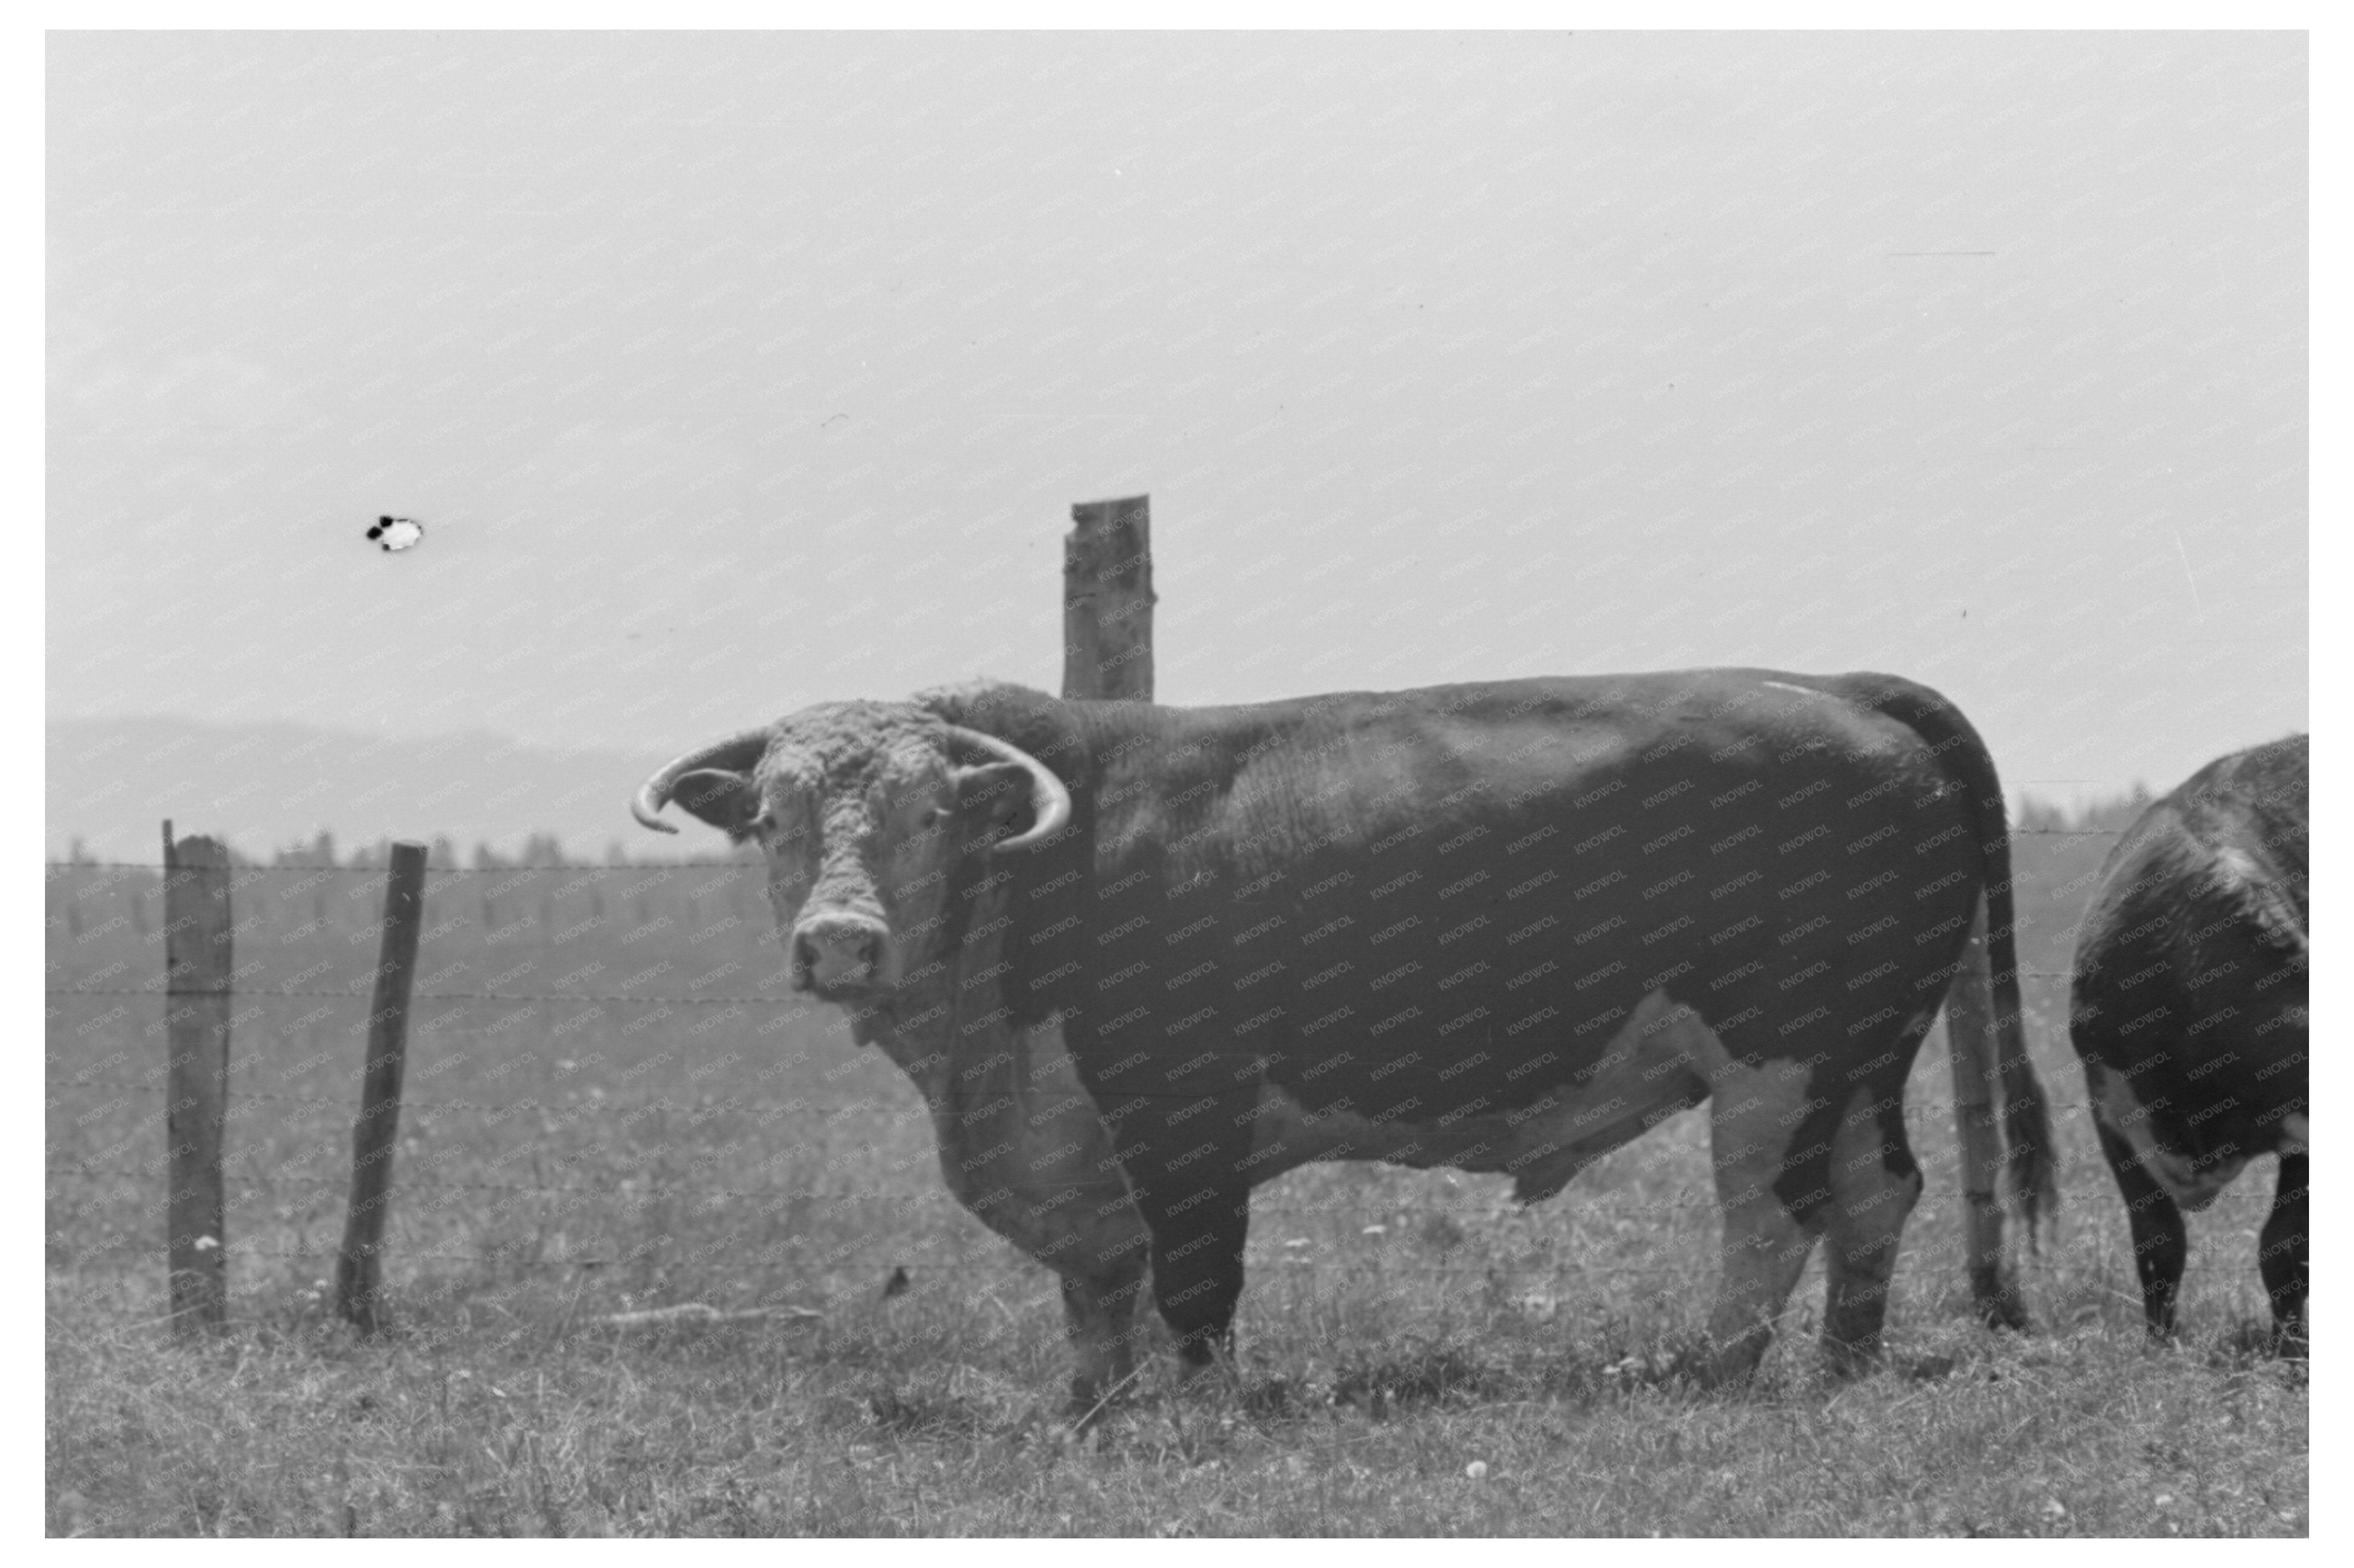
<point x="2283" y="1254"/>
<point x="1874" y="1184"/>
<point x="1753" y="1114"/>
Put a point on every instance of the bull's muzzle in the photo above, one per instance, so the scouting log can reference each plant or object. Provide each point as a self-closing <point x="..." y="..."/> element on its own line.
<point x="842" y="952"/>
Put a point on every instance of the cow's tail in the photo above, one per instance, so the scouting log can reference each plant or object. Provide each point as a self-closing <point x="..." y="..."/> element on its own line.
<point x="1991" y="970"/>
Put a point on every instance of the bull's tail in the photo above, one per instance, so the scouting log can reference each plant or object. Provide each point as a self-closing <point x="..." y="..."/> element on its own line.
<point x="1984" y="999"/>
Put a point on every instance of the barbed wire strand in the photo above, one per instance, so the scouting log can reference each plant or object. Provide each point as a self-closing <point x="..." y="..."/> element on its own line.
<point x="431" y="996"/>
<point x="634" y="867"/>
<point x="1421" y="1206"/>
<point x="749" y="864"/>
<point x="700" y="1195"/>
<point x="632" y="999"/>
<point x="957" y="1265"/>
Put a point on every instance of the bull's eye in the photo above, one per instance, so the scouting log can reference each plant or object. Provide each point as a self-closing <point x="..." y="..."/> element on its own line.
<point x="935" y="816"/>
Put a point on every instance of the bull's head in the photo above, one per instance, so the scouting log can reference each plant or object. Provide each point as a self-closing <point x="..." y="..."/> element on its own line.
<point x="863" y="810"/>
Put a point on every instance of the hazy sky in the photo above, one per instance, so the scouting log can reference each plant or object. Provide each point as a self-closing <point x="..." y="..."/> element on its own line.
<point x="731" y="372"/>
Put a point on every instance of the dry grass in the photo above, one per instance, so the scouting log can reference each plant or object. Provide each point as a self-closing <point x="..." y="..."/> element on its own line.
<point x="1398" y="1328"/>
<point x="931" y="1419"/>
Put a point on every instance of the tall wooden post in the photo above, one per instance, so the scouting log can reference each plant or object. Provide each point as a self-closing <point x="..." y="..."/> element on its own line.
<point x="196" y="964"/>
<point x="1107" y="600"/>
<point x="358" y="1272"/>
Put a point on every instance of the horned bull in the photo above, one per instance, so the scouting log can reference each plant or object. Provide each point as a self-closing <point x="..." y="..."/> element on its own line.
<point x="1140" y="959"/>
<point x="2188" y="1008"/>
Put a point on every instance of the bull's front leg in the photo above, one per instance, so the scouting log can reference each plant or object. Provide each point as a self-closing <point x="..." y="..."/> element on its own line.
<point x="1197" y="1268"/>
<point x="1185" y="1151"/>
<point x="1196" y="1204"/>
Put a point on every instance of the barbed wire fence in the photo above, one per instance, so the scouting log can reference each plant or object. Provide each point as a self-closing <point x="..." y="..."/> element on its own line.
<point x="716" y="906"/>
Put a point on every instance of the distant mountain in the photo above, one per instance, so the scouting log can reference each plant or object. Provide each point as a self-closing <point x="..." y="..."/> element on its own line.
<point x="268" y="786"/>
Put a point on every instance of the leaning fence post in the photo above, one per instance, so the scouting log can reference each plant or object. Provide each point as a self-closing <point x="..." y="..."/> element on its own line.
<point x="358" y="1271"/>
<point x="1972" y="1043"/>
<point x="1107" y="600"/>
<point x="196" y="962"/>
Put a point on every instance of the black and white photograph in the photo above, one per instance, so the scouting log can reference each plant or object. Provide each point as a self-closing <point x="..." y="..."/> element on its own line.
<point x="1020" y="783"/>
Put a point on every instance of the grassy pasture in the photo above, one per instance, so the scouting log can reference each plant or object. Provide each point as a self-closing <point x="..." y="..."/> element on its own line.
<point x="568" y="1158"/>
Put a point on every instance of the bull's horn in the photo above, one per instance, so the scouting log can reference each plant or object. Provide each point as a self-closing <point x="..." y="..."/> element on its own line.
<point x="1050" y="803"/>
<point x="737" y="753"/>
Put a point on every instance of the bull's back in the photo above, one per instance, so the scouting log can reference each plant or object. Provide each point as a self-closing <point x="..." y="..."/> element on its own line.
<point x="1492" y="880"/>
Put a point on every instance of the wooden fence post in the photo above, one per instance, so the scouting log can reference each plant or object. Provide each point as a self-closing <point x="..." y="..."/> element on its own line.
<point x="196" y="963"/>
<point x="1975" y="1053"/>
<point x="1107" y="600"/>
<point x="358" y="1271"/>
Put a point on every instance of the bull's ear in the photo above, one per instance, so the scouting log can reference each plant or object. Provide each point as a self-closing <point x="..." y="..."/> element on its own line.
<point x="993" y="794"/>
<point x="727" y="801"/>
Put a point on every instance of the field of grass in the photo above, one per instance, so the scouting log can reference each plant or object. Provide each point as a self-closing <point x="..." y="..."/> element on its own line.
<point x="1417" y="1356"/>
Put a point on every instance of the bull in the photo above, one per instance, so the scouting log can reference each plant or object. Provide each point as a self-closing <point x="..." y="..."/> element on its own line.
<point x="1139" y="960"/>
<point x="2188" y="1007"/>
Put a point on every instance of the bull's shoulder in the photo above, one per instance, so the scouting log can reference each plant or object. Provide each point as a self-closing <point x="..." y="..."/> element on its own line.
<point x="2253" y="803"/>
<point x="2238" y="827"/>
<point x="2198" y="864"/>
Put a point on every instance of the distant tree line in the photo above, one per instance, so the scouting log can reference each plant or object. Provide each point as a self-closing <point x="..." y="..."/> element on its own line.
<point x="2106" y="811"/>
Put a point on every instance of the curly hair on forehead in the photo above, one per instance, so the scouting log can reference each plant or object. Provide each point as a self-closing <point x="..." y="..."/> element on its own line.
<point x="850" y="744"/>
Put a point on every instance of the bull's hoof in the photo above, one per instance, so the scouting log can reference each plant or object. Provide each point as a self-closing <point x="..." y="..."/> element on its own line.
<point x="1997" y="1302"/>
<point x="1847" y="1362"/>
<point x="1203" y="1354"/>
<point x="1199" y="1376"/>
<point x="1715" y="1369"/>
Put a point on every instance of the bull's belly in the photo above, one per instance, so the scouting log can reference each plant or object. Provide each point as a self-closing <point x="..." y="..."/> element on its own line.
<point x="1654" y="1066"/>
